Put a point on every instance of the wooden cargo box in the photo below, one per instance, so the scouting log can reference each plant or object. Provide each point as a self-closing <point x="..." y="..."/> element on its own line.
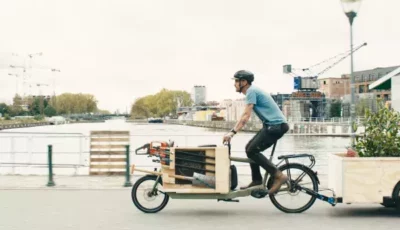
<point x="209" y="161"/>
<point x="363" y="179"/>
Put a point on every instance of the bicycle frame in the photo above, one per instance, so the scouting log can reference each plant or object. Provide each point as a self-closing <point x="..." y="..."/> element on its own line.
<point x="260" y="190"/>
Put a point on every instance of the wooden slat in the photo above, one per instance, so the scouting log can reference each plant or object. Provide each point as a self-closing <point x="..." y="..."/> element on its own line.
<point x="98" y="139"/>
<point x="110" y="133"/>
<point x="107" y="173"/>
<point x="105" y="153"/>
<point x="187" y="188"/>
<point x="107" y="166"/>
<point x="222" y="168"/>
<point x="107" y="146"/>
<point x="107" y="159"/>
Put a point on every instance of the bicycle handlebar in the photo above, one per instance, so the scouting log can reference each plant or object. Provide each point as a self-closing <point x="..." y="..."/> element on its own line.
<point x="229" y="147"/>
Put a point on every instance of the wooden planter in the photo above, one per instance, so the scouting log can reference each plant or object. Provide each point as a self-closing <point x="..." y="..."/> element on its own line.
<point x="363" y="179"/>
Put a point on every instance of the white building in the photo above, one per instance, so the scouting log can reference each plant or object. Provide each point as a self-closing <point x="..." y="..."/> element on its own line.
<point x="390" y="81"/>
<point x="235" y="109"/>
<point x="199" y="94"/>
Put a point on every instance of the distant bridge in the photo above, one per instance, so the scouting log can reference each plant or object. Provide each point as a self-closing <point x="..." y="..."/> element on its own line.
<point x="94" y="116"/>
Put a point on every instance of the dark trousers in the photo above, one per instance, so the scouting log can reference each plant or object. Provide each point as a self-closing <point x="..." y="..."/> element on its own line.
<point x="264" y="139"/>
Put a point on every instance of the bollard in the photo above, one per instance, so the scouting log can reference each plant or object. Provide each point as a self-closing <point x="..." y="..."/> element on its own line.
<point x="50" y="162"/>
<point x="127" y="173"/>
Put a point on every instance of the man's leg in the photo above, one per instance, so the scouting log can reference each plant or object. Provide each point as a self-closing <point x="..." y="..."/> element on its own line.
<point x="255" y="168"/>
<point x="279" y="177"/>
<point x="261" y="141"/>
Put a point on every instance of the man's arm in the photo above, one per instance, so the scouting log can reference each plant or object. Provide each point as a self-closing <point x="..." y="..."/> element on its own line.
<point x="245" y="118"/>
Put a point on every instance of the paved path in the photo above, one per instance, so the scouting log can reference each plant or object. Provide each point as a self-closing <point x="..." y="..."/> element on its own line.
<point x="64" y="182"/>
<point x="84" y="202"/>
<point x="113" y="210"/>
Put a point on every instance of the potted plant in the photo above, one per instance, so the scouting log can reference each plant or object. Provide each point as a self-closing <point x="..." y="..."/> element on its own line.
<point x="380" y="138"/>
<point x="370" y="170"/>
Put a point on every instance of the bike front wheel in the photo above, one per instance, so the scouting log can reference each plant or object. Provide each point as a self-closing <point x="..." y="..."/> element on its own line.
<point x="299" y="175"/>
<point x="154" y="200"/>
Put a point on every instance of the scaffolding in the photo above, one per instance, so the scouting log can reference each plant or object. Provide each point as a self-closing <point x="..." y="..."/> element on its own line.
<point x="303" y="105"/>
<point x="363" y="102"/>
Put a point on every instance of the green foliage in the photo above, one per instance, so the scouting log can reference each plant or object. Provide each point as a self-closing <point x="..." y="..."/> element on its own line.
<point x="161" y="104"/>
<point x="4" y="109"/>
<point x="38" y="117"/>
<point x="50" y="111"/>
<point x="69" y="103"/>
<point x="381" y="137"/>
<point x="36" y="105"/>
<point x="335" y="109"/>
<point x="7" y="117"/>
<point x="66" y="103"/>
<point x="364" y="105"/>
<point x="15" y="109"/>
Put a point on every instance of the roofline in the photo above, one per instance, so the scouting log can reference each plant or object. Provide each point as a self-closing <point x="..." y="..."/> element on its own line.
<point x="384" y="78"/>
<point x="333" y="78"/>
<point x="376" y="68"/>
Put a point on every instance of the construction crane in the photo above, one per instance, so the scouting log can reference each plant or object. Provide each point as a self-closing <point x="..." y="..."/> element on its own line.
<point x="28" y="74"/>
<point x="16" y="81"/>
<point x="310" y="82"/>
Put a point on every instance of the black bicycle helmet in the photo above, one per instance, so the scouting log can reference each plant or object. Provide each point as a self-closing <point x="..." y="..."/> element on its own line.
<point x="244" y="74"/>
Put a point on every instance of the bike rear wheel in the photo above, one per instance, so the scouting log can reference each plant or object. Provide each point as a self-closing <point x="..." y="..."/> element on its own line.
<point x="303" y="172"/>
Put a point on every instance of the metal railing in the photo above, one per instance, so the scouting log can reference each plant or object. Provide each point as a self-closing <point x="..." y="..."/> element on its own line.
<point x="28" y="149"/>
<point x="341" y="120"/>
<point x="50" y="151"/>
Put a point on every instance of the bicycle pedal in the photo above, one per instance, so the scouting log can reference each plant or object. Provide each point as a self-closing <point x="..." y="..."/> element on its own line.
<point x="228" y="200"/>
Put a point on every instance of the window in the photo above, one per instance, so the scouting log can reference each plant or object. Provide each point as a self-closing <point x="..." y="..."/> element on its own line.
<point x="360" y="89"/>
<point x="386" y="97"/>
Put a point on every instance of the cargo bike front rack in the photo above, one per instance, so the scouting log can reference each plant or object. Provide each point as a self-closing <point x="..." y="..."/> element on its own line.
<point x="203" y="184"/>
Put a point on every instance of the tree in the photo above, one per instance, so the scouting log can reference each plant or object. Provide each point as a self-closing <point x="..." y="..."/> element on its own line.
<point x="69" y="103"/>
<point x="364" y="105"/>
<point x="335" y="109"/>
<point x="161" y="104"/>
<point x="50" y="111"/>
<point x="16" y="108"/>
<point x="4" y="109"/>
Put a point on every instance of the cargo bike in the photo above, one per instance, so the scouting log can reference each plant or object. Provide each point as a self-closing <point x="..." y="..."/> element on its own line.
<point x="208" y="172"/>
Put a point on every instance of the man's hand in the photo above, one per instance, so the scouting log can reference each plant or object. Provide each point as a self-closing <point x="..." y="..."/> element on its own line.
<point x="227" y="137"/>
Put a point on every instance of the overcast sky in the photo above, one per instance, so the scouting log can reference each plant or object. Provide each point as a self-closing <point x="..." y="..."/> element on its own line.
<point x="119" y="50"/>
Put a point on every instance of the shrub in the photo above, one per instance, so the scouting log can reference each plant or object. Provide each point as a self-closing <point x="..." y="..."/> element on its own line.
<point x="380" y="138"/>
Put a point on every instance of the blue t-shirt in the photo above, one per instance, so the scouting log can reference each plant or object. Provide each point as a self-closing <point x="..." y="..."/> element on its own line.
<point x="264" y="106"/>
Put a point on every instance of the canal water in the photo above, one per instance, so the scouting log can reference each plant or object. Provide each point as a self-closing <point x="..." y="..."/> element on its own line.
<point x="24" y="151"/>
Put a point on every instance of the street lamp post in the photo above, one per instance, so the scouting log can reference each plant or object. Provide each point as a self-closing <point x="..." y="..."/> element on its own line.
<point x="350" y="8"/>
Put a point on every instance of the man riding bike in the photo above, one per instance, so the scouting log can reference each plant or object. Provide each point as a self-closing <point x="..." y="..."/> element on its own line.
<point x="274" y="127"/>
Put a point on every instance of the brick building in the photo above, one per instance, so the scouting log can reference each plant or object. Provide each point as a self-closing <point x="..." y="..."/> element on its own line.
<point x="337" y="88"/>
<point x="333" y="87"/>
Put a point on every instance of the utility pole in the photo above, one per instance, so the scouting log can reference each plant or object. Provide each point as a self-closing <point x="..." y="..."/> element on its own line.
<point x="41" y="97"/>
<point x="54" y="87"/>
